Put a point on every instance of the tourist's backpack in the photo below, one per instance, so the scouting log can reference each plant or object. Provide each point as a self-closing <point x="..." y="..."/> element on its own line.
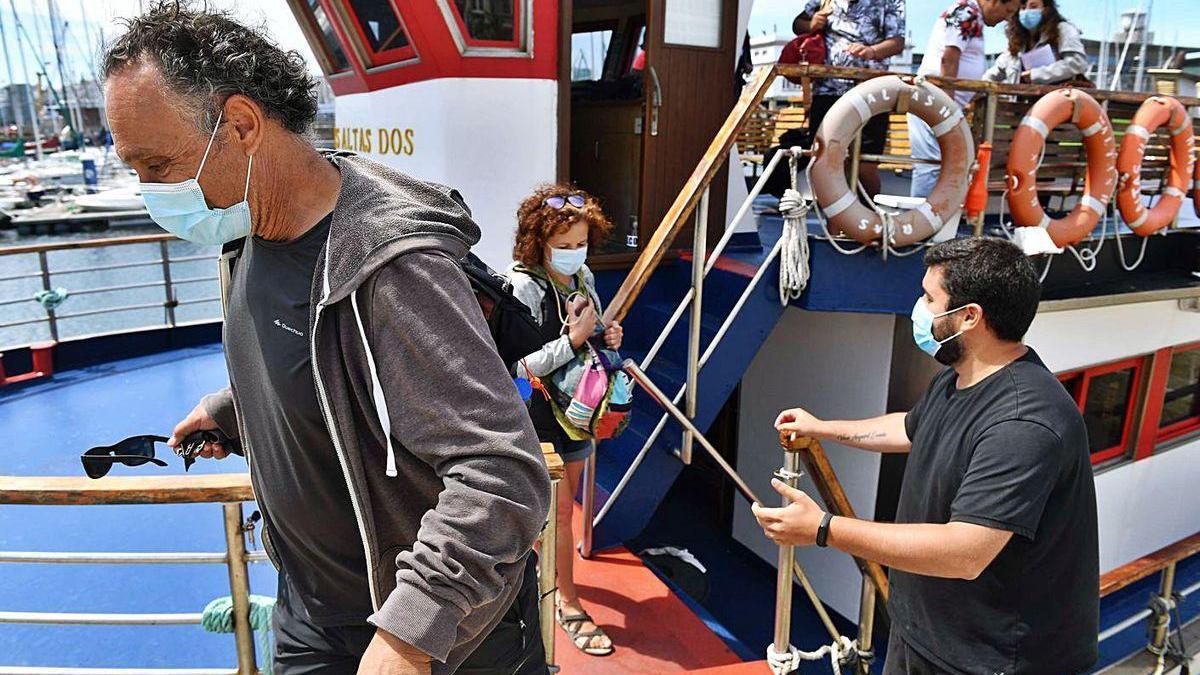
<point x="513" y="328"/>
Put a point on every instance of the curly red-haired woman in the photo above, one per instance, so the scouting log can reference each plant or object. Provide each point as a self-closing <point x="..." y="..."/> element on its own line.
<point x="555" y="226"/>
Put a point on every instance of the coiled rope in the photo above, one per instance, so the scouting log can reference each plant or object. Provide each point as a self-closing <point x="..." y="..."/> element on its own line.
<point x="793" y="256"/>
<point x="52" y="298"/>
<point x="789" y="661"/>
<point x="218" y="618"/>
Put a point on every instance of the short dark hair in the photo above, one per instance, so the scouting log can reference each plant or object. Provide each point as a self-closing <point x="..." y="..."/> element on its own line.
<point x="994" y="274"/>
<point x="208" y="57"/>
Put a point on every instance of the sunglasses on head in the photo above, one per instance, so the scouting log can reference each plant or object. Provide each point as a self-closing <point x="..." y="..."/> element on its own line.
<point x="558" y="201"/>
<point x="133" y="451"/>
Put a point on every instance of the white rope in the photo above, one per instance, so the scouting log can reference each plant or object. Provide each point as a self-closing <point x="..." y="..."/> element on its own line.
<point x="782" y="663"/>
<point x="793" y="255"/>
<point x="1121" y="249"/>
<point x="824" y="223"/>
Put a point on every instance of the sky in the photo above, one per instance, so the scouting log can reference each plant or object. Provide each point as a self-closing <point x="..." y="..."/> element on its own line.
<point x="1172" y="21"/>
<point x="103" y="19"/>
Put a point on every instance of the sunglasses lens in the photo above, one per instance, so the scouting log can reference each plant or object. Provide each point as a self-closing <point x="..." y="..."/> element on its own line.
<point x="96" y="467"/>
<point x="556" y="202"/>
<point x="577" y="201"/>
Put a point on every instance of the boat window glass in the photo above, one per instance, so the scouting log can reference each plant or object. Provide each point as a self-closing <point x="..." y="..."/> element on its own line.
<point x="380" y="26"/>
<point x="490" y="21"/>
<point x="335" y="57"/>
<point x="589" y="53"/>
<point x="1181" y="401"/>
<point x="1107" y="410"/>
<point x="693" y="23"/>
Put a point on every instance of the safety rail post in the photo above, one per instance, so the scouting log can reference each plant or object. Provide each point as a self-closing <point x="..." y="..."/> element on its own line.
<point x="782" y="641"/>
<point x="44" y="267"/>
<point x="239" y="588"/>
<point x="589" y="504"/>
<point x="989" y="135"/>
<point x="1161" y="606"/>
<point x="866" y="626"/>
<point x="547" y="583"/>
<point x="168" y="289"/>
<point x="699" y="249"/>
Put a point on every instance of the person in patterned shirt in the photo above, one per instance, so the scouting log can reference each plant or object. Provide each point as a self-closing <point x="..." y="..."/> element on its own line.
<point x="858" y="34"/>
<point x="955" y="49"/>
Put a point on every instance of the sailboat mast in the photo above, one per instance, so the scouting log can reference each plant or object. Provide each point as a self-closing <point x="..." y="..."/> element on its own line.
<point x="1141" y="70"/>
<point x="62" y="79"/>
<point x="12" y="84"/>
<point x="33" y="117"/>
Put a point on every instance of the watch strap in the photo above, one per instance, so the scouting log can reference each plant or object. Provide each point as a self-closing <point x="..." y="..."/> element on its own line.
<point x="823" y="530"/>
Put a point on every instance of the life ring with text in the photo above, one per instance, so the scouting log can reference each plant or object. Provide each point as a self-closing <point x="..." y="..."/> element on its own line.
<point x="1024" y="158"/>
<point x="1155" y="112"/>
<point x="878" y="96"/>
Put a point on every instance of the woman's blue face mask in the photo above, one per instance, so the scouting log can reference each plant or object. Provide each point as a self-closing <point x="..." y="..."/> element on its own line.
<point x="180" y="208"/>
<point x="1030" y="18"/>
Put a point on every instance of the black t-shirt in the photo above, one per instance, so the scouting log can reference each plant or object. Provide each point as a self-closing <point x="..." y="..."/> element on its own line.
<point x="1009" y="453"/>
<point x="298" y="479"/>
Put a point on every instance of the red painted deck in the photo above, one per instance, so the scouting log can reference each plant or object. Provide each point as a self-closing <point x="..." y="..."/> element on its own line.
<point x="653" y="631"/>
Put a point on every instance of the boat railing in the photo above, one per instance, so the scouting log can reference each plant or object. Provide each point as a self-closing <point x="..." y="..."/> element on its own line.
<point x="47" y="273"/>
<point x="228" y="489"/>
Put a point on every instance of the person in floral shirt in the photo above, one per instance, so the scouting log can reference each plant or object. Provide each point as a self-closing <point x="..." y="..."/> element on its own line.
<point x="858" y="34"/>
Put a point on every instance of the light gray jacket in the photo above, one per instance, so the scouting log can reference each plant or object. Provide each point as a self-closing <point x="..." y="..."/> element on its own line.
<point x="443" y="467"/>
<point x="532" y="293"/>
<point x="1072" y="61"/>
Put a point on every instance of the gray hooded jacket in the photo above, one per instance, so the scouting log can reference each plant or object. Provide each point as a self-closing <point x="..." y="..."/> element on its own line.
<point x="448" y="484"/>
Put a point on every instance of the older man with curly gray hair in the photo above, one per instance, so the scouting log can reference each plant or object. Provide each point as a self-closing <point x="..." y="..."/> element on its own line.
<point x="397" y="471"/>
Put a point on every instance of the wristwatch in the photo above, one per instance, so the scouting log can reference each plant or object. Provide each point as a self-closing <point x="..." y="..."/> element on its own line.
<point x="823" y="530"/>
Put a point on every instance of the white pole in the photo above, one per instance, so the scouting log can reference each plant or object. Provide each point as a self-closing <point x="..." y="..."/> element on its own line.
<point x="33" y="116"/>
<point x="1116" y="78"/>
<point x="1141" y="69"/>
<point x="12" y="84"/>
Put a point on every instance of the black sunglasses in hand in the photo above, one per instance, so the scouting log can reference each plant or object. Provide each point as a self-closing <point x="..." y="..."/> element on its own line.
<point x="138" y="450"/>
<point x="133" y="451"/>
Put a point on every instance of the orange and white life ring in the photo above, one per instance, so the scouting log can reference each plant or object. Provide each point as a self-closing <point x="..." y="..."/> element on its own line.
<point x="1024" y="157"/>
<point x="1196" y="187"/>
<point x="881" y="95"/>
<point x="1155" y="112"/>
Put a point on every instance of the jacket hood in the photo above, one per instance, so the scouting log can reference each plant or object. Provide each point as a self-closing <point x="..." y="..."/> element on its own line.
<point x="382" y="213"/>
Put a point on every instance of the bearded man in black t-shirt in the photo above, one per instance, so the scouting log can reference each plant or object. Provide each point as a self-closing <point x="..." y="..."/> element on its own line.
<point x="994" y="554"/>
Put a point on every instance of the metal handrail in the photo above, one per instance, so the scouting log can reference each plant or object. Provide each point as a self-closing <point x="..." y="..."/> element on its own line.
<point x="228" y="489"/>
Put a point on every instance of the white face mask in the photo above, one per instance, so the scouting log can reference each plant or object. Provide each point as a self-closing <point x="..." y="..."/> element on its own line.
<point x="180" y="208"/>
<point x="568" y="260"/>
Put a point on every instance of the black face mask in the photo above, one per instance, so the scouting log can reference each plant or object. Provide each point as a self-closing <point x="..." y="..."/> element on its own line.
<point x="133" y="451"/>
<point x="951" y="351"/>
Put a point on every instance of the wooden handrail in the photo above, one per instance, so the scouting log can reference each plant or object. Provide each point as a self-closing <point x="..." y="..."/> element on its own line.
<point x="1143" y="567"/>
<point x="86" y="243"/>
<point x="685" y="203"/>
<point x="980" y="86"/>
<point x="830" y="488"/>
<point x="73" y="490"/>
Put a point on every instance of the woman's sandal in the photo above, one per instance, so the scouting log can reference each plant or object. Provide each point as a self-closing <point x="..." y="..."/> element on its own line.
<point x="583" y="639"/>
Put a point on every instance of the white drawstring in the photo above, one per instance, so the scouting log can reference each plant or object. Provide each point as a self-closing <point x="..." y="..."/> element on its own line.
<point x="381" y="409"/>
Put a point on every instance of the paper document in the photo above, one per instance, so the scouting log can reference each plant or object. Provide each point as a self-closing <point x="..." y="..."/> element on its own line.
<point x="1037" y="58"/>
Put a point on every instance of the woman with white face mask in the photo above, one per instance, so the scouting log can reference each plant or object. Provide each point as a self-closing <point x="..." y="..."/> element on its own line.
<point x="1043" y="48"/>
<point x="555" y="226"/>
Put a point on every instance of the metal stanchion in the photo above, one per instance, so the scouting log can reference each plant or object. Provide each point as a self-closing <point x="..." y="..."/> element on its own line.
<point x="1160" y="607"/>
<point x="866" y="626"/>
<point x="699" y="248"/>
<point x="239" y="589"/>
<point x="547" y="574"/>
<point x="589" y="503"/>
<point x="781" y="644"/>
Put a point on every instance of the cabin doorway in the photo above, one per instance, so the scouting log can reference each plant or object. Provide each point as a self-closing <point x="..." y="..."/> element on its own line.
<point x="644" y="87"/>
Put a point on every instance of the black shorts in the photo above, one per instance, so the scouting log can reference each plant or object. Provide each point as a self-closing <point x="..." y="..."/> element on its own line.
<point x="874" y="134"/>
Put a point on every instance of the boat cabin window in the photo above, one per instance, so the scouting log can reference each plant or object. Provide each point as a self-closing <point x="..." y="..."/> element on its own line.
<point x="315" y="22"/>
<point x="693" y="23"/>
<point x="589" y="52"/>
<point x="1107" y="396"/>
<point x="489" y="22"/>
<point x="1181" y="400"/>
<point x="381" y="30"/>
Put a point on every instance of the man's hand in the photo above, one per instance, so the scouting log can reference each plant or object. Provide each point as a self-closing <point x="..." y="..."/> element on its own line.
<point x="797" y="421"/>
<point x="198" y="420"/>
<point x="792" y="525"/>
<point x="389" y="655"/>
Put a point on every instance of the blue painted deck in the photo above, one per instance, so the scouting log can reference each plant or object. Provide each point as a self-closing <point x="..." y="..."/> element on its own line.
<point x="48" y="425"/>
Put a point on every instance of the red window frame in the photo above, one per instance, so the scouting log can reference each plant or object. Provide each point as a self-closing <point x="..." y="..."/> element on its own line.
<point x="374" y="58"/>
<point x="313" y="34"/>
<point x="1138" y="363"/>
<point x="514" y="43"/>
<point x="1182" y="427"/>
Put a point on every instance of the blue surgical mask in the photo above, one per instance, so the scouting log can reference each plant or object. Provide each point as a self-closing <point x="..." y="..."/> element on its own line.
<point x="1030" y="18"/>
<point x="180" y="208"/>
<point x="567" y="260"/>
<point x="922" y="322"/>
